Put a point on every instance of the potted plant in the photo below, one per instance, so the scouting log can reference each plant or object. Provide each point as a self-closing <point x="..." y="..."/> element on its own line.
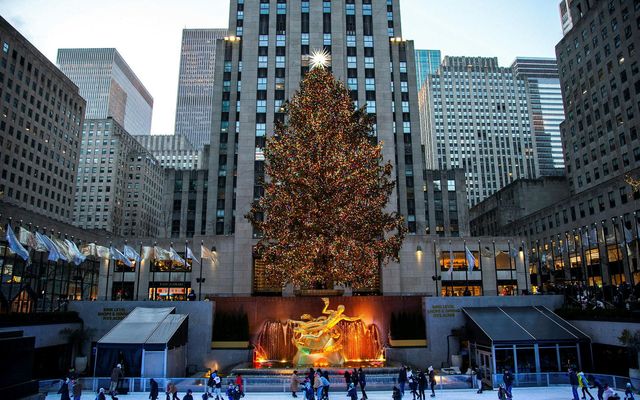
<point x="78" y="339"/>
<point x="632" y="341"/>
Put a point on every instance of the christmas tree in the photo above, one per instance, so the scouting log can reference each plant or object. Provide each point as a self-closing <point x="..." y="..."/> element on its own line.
<point x="322" y="219"/>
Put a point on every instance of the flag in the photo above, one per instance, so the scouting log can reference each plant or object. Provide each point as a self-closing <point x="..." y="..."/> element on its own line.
<point x="207" y="254"/>
<point x="118" y="256"/>
<point x="543" y="258"/>
<point x="65" y="255"/>
<point x="450" y="260"/>
<point x="470" y="259"/>
<point x="628" y="236"/>
<point x="191" y="256"/>
<point x="161" y="254"/>
<point x="486" y="252"/>
<point x="23" y="236"/>
<point x="593" y="235"/>
<point x="131" y="254"/>
<point x="77" y="257"/>
<point x="147" y="252"/>
<point x="174" y="256"/>
<point x="103" y="252"/>
<point x="14" y="244"/>
<point x="89" y="250"/>
<point x="54" y="253"/>
<point x="514" y="252"/>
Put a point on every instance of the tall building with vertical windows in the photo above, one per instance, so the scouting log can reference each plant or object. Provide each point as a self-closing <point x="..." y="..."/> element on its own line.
<point x="109" y="86"/>
<point x="40" y="129"/>
<point x="265" y="60"/>
<point x="427" y="62"/>
<point x="120" y="184"/>
<point x="195" y="84"/>
<point x="476" y="117"/>
<point x="174" y="151"/>
<point x="545" y="110"/>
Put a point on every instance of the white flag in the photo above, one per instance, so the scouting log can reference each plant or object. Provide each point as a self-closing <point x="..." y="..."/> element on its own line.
<point x="174" y="256"/>
<point x="470" y="259"/>
<point x="191" y="256"/>
<point x="207" y="254"/>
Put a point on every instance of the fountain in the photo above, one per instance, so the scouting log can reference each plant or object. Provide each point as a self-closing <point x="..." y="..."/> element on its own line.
<point x="331" y="339"/>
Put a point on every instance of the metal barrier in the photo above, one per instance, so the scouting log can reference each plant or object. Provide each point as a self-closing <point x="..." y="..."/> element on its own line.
<point x="254" y="384"/>
<point x="544" y="379"/>
<point x="382" y="382"/>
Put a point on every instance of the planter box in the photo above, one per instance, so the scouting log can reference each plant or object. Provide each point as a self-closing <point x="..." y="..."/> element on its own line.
<point x="230" y="345"/>
<point x="408" y="343"/>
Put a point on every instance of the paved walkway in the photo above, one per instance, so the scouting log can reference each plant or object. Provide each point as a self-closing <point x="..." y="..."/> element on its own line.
<point x="547" y="393"/>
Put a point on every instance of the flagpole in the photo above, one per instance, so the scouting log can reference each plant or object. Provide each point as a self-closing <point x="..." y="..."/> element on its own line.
<point x="584" y="260"/>
<point x="539" y="277"/>
<point x="527" y="271"/>
<point x="24" y="269"/>
<point x="495" y="265"/>
<point x="106" y="289"/>
<point x="55" y="275"/>
<point x="153" y="273"/>
<point x="186" y="264"/>
<point x="138" y="274"/>
<point x="91" y="282"/>
<point x="170" y="268"/>
<point x="553" y="257"/>
<point x="618" y="255"/>
<point x="4" y="258"/>
<point x="451" y="267"/>
<point x="38" y="272"/>
<point x="595" y="226"/>
<point x="480" y="266"/>
<point x="13" y="273"/>
<point x="511" y="266"/>
<point x="122" y="282"/>
<point x="70" y="268"/>
<point x="466" y="269"/>
<point x="200" y="279"/>
<point x="435" y="268"/>
<point x="636" y="228"/>
<point x="46" y="276"/>
<point x="625" y="252"/>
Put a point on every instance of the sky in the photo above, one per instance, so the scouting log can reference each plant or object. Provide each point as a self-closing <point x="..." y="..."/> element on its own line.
<point x="148" y="33"/>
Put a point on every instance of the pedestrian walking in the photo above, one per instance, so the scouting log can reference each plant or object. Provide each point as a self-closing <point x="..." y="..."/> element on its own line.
<point x="597" y="384"/>
<point x="64" y="390"/>
<point x="154" y="391"/>
<point x="507" y="378"/>
<point x="116" y="374"/>
<point x="295" y="384"/>
<point x="317" y="386"/>
<point x="628" y="392"/>
<point x="402" y="379"/>
<point x="422" y="385"/>
<point x="172" y="391"/>
<point x="325" y="385"/>
<point x="432" y="380"/>
<point x="362" y="380"/>
<point x="347" y="379"/>
<point x="479" y="377"/>
<point x="583" y="383"/>
<point x="573" y="381"/>
<point x="352" y="392"/>
<point x="76" y="389"/>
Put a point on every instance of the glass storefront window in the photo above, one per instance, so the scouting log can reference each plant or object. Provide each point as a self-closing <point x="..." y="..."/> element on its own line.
<point x="548" y="359"/>
<point x="504" y="360"/>
<point x="458" y="288"/>
<point x="526" y="360"/>
<point x="568" y="357"/>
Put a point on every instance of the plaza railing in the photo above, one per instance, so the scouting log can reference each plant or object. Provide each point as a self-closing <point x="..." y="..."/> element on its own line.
<point x="252" y="384"/>
<point x="381" y="382"/>
<point x="545" y="379"/>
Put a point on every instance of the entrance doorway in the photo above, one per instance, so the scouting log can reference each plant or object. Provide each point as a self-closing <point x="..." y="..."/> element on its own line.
<point x="485" y="363"/>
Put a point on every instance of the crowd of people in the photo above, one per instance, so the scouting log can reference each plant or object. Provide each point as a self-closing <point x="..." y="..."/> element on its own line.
<point x="623" y="296"/>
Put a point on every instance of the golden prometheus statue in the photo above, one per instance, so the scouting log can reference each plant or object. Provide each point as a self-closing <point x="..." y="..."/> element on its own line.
<point x="319" y="340"/>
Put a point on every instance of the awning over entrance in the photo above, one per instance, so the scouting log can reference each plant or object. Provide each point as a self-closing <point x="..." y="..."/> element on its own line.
<point x="522" y="325"/>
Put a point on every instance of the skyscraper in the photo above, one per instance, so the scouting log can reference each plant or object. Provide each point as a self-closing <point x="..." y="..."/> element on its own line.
<point x="600" y="77"/>
<point x="174" y="151"/>
<point x="476" y="117"/>
<point x="109" y="86"/>
<point x="40" y="129"/>
<point x="427" y="62"/>
<point x="120" y="184"/>
<point x="265" y="61"/>
<point x="195" y="84"/>
<point x="545" y="109"/>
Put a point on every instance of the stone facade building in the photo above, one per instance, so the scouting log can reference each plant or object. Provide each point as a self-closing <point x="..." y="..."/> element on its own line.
<point x="175" y="151"/>
<point x="120" y="184"/>
<point x="40" y="129"/>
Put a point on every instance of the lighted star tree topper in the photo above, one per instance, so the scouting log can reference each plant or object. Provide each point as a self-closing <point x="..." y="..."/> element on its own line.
<point x="322" y="218"/>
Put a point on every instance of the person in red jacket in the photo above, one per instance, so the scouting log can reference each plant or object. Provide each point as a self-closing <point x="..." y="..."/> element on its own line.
<point x="239" y="384"/>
